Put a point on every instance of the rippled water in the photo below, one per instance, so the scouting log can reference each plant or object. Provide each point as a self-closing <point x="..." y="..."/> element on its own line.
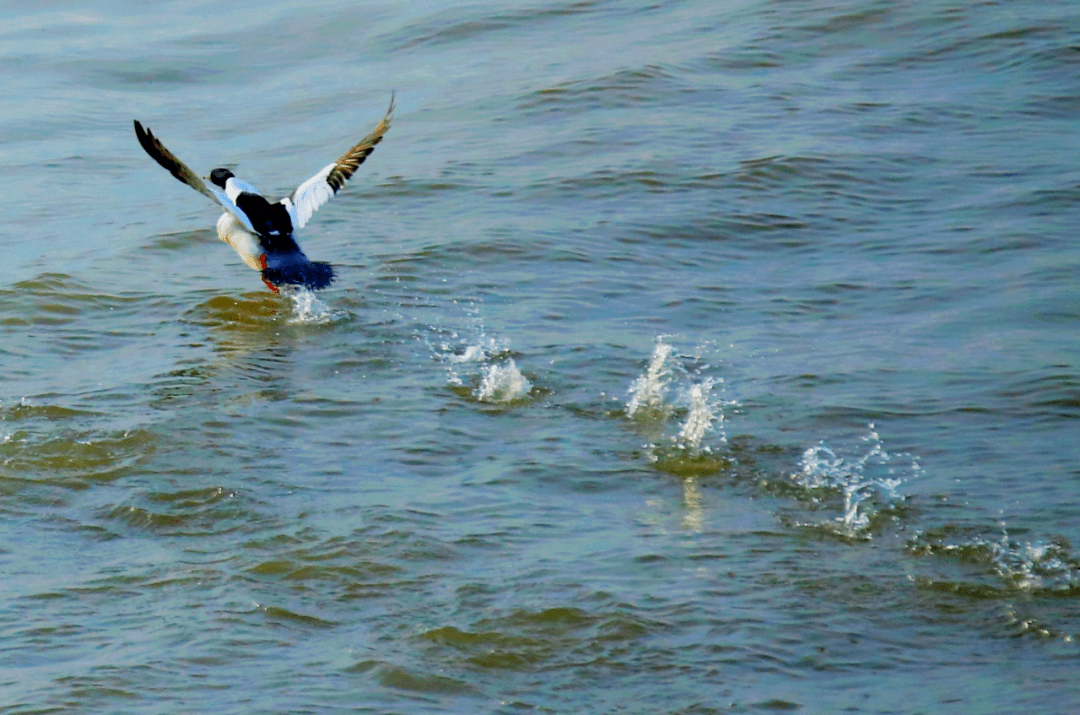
<point x="683" y="358"/>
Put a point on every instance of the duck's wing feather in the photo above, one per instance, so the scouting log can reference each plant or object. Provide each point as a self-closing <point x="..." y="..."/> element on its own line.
<point x="181" y="171"/>
<point x="316" y="191"/>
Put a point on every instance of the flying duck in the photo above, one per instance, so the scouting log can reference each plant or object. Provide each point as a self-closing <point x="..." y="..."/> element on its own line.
<point x="261" y="231"/>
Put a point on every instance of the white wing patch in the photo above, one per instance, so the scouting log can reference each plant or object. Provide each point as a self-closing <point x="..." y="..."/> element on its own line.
<point x="234" y="187"/>
<point x="317" y="190"/>
<point x="308" y="197"/>
<point x="301" y="204"/>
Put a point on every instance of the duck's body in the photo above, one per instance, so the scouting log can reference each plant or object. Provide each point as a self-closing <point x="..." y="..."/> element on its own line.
<point x="246" y="244"/>
<point x="261" y="231"/>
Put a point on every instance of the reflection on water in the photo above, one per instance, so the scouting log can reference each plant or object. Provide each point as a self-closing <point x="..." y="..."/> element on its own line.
<point x="694" y="518"/>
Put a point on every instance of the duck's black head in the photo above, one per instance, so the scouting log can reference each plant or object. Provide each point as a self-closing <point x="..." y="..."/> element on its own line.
<point x="220" y="176"/>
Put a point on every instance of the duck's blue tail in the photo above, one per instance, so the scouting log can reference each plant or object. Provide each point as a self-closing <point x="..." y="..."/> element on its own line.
<point x="296" y="269"/>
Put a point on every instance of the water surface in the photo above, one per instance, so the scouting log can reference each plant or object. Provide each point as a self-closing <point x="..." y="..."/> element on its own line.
<point x="684" y="358"/>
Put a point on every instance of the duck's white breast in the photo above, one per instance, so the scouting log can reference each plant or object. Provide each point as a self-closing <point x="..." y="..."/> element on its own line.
<point x="246" y="244"/>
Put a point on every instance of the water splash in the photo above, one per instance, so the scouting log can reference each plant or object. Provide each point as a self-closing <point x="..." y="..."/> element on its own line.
<point x="647" y="392"/>
<point x="700" y="416"/>
<point x="503" y="383"/>
<point x="471" y="353"/>
<point x="701" y="413"/>
<point x="481" y="369"/>
<point x="1025" y="566"/>
<point x="463" y="359"/>
<point x="308" y="309"/>
<point x="1009" y="571"/>
<point x="868" y="483"/>
<point x="1038" y="566"/>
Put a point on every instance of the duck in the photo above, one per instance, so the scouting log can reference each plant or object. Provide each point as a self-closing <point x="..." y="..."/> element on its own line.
<point x="260" y="230"/>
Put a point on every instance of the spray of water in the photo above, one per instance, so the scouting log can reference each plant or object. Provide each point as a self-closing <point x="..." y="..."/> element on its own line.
<point x="503" y="383"/>
<point x="471" y="353"/>
<point x="479" y="368"/>
<point x="647" y="392"/>
<point x="868" y="482"/>
<point x="1019" y="565"/>
<point x="464" y="356"/>
<point x="1035" y="566"/>
<point x="308" y="309"/>
<point x="684" y="453"/>
<point x="700" y="418"/>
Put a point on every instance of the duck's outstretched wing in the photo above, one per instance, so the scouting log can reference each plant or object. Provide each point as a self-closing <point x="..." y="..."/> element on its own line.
<point x="317" y="190"/>
<point x="180" y="170"/>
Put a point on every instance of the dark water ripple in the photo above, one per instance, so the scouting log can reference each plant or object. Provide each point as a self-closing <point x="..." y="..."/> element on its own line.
<point x="463" y="25"/>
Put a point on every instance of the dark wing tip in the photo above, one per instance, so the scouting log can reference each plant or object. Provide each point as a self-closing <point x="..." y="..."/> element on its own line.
<point x="352" y="159"/>
<point x="157" y="151"/>
<point x="145" y="137"/>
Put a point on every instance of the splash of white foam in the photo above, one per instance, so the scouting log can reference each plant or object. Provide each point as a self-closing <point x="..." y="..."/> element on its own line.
<point x="481" y="366"/>
<point x="1034" y="566"/>
<point x="647" y="392"/>
<point x="1023" y="566"/>
<point x="308" y="309"/>
<point x="472" y="353"/>
<point x="459" y="357"/>
<point x="650" y="404"/>
<point x="700" y="417"/>
<point x="503" y="383"/>
<point x="866" y="481"/>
